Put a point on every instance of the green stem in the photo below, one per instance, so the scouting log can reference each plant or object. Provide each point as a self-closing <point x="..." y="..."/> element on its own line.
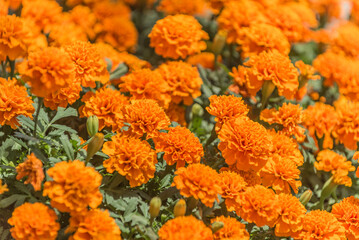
<point x="39" y="105"/>
<point x="12" y="67"/>
<point x="212" y="137"/>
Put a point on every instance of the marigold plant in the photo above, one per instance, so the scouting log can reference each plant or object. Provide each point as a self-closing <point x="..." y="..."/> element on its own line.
<point x="32" y="168"/>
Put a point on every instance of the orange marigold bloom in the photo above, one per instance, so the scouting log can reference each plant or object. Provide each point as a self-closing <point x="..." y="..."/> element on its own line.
<point x="14" y="4"/>
<point x="258" y="205"/>
<point x="106" y="104"/>
<point x="64" y="97"/>
<point x="34" y="221"/>
<point x="3" y="188"/>
<point x="130" y="157"/>
<point x="232" y="185"/>
<point x="45" y="13"/>
<point x="72" y="3"/>
<point x="245" y="144"/>
<point x="305" y="13"/>
<point x="339" y="166"/>
<point x="140" y="3"/>
<point x="180" y="146"/>
<point x="289" y="116"/>
<point x="119" y="32"/>
<point x="90" y="67"/>
<point x="188" y="7"/>
<point x="251" y="177"/>
<point x="233" y="229"/>
<point x="344" y="40"/>
<point x="4" y="8"/>
<point x="32" y="169"/>
<point x="177" y="113"/>
<point x="205" y="59"/>
<point x="318" y="225"/>
<point x="355" y="11"/>
<point x="347" y="213"/>
<point x="281" y="174"/>
<point x="321" y="123"/>
<point x="177" y="36"/>
<point x="94" y="224"/>
<point x="183" y="80"/>
<point x="74" y="186"/>
<point x="145" y="117"/>
<point x="286" y="147"/>
<point x="225" y="108"/>
<point x="14" y="37"/>
<point x="107" y="9"/>
<point x="184" y="228"/>
<point x="198" y="181"/>
<point x="14" y="101"/>
<point x="66" y="33"/>
<point x="347" y="131"/>
<point x="236" y="16"/>
<point x="47" y="71"/>
<point x="262" y="37"/>
<point x="291" y="215"/>
<point x="307" y="72"/>
<point x="86" y="19"/>
<point x="146" y="84"/>
<point x="268" y="66"/>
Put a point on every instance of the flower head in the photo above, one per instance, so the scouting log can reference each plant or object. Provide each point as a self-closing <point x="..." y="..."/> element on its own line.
<point x="183" y="80"/>
<point x="85" y="18"/>
<point x="3" y="187"/>
<point x="90" y="67"/>
<point x="177" y="113"/>
<point x="198" y="181"/>
<point x="205" y="59"/>
<point x="180" y="146"/>
<point x="74" y="186"/>
<point x="64" y="96"/>
<point x="245" y="144"/>
<point x="66" y="33"/>
<point x="184" y="228"/>
<point x="233" y="229"/>
<point x="344" y="40"/>
<point x="47" y="71"/>
<point x="34" y="221"/>
<point x="14" y="101"/>
<point x="32" y="169"/>
<point x="177" y="36"/>
<point x="232" y="185"/>
<point x="131" y="158"/>
<point x="188" y="7"/>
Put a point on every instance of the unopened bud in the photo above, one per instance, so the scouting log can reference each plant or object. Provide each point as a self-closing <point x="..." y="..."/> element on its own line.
<point x="306" y="196"/>
<point x="197" y="109"/>
<point x="218" y="42"/>
<point x="92" y="125"/>
<point x="216" y="226"/>
<point x="94" y="146"/>
<point x="328" y="188"/>
<point x="267" y="90"/>
<point x="155" y="205"/>
<point x="180" y="208"/>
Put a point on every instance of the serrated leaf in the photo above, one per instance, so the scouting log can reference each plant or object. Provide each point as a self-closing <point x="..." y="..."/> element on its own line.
<point x="62" y="113"/>
<point x="64" y="128"/>
<point x="67" y="147"/>
<point x="132" y="204"/>
<point x="20" y="142"/>
<point x="4" y="203"/>
<point x="166" y="181"/>
<point x="121" y="70"/>
<point x="26" y="122"/>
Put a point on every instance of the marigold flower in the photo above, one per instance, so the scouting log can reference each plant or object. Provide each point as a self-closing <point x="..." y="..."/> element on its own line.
<point x="262" y="37"/>
<point x="131" y="158"/>
<point x="205" y="59"/>
<point x="268" y="66"/>
<point x="14" y="4"/>
<point x="347" y="131"/>
<point x="34" y="221"/>
<point x="74" y="186"/>
<point x="107" y="9"/>
<point x="14" y="37"/>
<point x="14" y="101"/>
<point x="245" y="144"/>
<point x="289" y="116"/>
<point x="344" y="40"/>
<point x="281" y="174"/>
<point x="45" y="13"/>
<point x="290" y="217"/>
<point x="305" y="13"/>
<point x="64" y="97"/>
<point x="32" y="169"/>
<point x="180" y="146"/>
<point x="355" y="11"/>
<point x="183" y="80"/>
<point x="119" y="32"/>
<point x="183" y="228"/>
<point x="319" y="224"/>
<point x="94" y="224"/>
<point x="188" y="7"/>
<point x="106" y="104"/>
<point x="177" y="36"/>
<point x="47" y="71"/>
<point x="198" y="181"/>
<point x="140" y="3"/>
<point x="177" y="113"/>
<point x="145" y="117"/>
<point x="225" y="108"/>
<point x="146" y="84"/>
<point x="258" y="205"/>
<point x="338" y="165"/>
<point x="72" y="3"/>
<point x="4" y="8"/>
<point x="232" y="185"/>
<point x="86" y="19"/>
<point x="65" y="33"/>
<point x="321" y="123"/>
<point x="236" y="16"/>
<point x="3" y="188"/>
<point x="233" y="229"/>
<point x="347" y="213"/>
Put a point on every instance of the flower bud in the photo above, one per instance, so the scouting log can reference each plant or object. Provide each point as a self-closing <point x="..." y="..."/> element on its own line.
<point x="92" y="125"/>
<point x="267" y="90"/>
<point x="197" y="109"/>
<point x="155" y="205"/>
<point x="328" y="188"/>
<point x="216" y="226"/>
<point x="94" y="146"/>
<point x="306" y="196"/>
<point x="218" y="42"/>
<point x="180" y="208"/>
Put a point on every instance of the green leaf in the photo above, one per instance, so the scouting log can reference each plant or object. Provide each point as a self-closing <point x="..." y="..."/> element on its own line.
<point x="4" y="203"/>
<point x="26" y="122"/>
<point x="121" y="70"/>
<point x="62" y="113"/>
<point x="20" y="142"/>
<point x="67" y="147"/>
<point x="64" y="128"/>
